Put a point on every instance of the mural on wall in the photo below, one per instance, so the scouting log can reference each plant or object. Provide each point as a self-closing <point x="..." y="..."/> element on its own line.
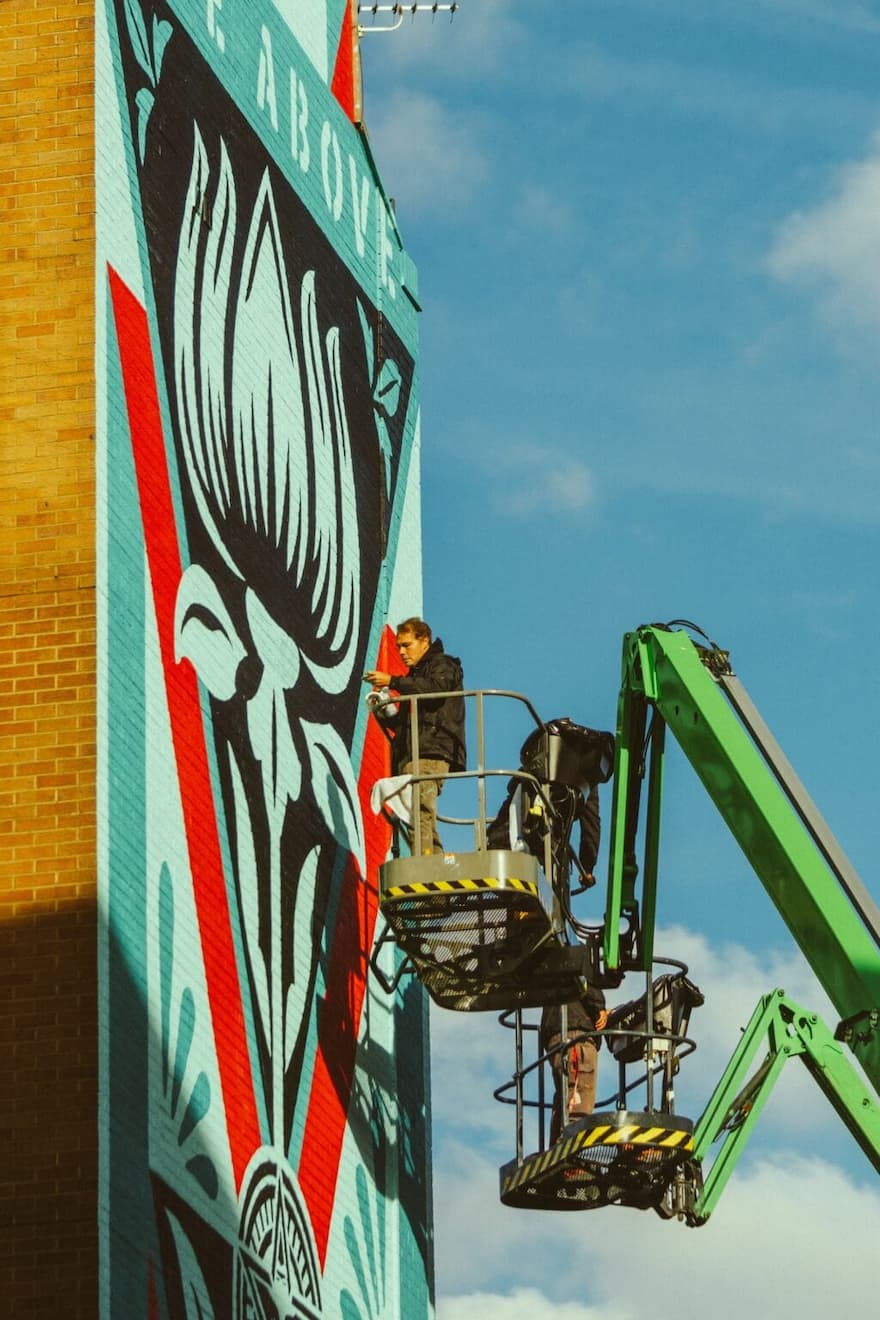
<point x="261" y="412"/>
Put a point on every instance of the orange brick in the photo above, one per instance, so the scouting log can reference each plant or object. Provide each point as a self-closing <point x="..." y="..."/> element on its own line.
<point x="48" y="989"/>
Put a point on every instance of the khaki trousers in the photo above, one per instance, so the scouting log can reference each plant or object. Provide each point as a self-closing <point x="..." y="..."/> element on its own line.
<point x="581" y="1061"/>
<point x="425" y="797"/>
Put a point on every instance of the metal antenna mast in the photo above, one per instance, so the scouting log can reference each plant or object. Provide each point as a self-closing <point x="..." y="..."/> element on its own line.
<point x="397" y="12"/>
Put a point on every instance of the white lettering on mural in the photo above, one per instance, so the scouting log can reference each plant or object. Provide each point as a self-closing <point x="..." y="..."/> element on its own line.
<point x="331" y="172"/>
<point x="266" y="78"/>
<point x="299" y="123"/>
<point x="214" y="28"/>
<point x="360" y="205"/>
<point x="343" y="192"/>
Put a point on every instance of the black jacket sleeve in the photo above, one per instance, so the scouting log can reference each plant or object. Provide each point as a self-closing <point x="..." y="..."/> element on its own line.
<point x="438" y="674"/>
<point x="441" y="721"/>
<point x="591" y="830"/>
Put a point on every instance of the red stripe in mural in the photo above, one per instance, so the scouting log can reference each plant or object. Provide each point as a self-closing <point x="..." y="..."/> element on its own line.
<point x="187" y="730"/>
<point x="342" y="84"/>
<point x="340" y="1012"/>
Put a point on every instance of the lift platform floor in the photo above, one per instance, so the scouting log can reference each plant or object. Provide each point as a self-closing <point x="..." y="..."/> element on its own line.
<point x="614" y="1158"/>
<point x="480" y="931"/>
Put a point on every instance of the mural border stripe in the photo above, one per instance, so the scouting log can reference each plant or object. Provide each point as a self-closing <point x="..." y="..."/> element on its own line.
<point x="184" y="709"/>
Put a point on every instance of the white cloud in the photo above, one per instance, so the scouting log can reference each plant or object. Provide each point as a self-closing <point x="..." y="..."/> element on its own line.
<point x="733" y="979"/>
<point x="543" y="210"/>
<point x="530" y="479"/>
<point x="786" y="1212"/>
<point x="795" y="1240"/>
<point x="483" y="1245"/>
<point x="835" y="248"/>
<point x="427" y="153"/>
<point x="471" y="1055"/>
<point x="520" y="1304"/>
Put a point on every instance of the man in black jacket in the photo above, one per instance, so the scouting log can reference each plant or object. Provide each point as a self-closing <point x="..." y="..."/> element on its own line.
<point x="585" y="1015"/>
<point x="441" y="735"/>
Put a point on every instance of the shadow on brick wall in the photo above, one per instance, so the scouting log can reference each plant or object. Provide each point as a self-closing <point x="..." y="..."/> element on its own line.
<point x="49" y="1107"/>
<point x="48" y="1113"/>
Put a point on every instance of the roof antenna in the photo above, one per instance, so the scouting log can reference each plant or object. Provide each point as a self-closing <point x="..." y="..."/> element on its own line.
<point x="396" y="14"/>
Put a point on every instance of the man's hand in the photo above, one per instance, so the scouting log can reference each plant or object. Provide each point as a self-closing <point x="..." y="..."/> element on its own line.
<point x="377" y="678"/>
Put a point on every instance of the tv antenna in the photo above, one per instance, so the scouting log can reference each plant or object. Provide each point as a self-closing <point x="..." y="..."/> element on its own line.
<point x="396" y="14"/>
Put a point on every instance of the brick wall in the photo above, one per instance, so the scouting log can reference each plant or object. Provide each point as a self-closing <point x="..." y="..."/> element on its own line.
<point x="48" y="1091"/>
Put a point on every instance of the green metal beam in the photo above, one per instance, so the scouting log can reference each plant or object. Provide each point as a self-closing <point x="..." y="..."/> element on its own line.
<point x="628" y="770"/>
<point x="787" y="1031"/>
<point x="665" y="669"/>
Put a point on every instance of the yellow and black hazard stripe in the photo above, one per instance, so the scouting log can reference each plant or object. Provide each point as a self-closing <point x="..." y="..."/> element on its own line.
<point x="537" y="1167"/>
<point x="426" y="888"/>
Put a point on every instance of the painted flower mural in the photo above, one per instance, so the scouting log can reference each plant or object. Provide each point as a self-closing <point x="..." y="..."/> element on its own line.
<point x="286" y="398"/>
<point x="269" y="462"/>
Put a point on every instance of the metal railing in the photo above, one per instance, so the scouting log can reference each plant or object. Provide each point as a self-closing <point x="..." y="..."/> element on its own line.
<point x="656" y="1052"/>
<point x="481" y="820"/>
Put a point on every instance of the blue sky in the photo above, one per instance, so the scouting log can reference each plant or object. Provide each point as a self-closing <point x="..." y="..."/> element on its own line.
<point x="648" y="239"/>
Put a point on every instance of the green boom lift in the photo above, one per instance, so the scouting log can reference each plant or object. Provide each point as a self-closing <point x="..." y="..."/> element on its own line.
<point x="458" y="918"/>
<point x="671" y="682"/>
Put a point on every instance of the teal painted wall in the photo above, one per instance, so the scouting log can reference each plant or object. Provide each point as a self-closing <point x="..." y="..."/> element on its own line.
<point x="263" y="1103"/>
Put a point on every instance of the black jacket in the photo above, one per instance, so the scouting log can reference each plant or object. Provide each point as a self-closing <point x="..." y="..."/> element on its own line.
<point x="582" y="1014"/>
<point x="591" y="827"/>
<point x="441" y="722"/>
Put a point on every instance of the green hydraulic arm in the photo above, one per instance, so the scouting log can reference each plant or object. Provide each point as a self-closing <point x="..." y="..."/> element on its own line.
<point x="787" y="1031"/>
<point x="671" y="682"/>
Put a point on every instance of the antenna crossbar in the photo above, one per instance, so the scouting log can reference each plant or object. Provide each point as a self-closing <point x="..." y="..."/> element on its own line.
<point x="397" y="13"/>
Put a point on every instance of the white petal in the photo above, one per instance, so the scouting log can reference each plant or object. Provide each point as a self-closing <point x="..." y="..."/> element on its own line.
<point x="205" y="633"/>
<point x="335" y="789"/>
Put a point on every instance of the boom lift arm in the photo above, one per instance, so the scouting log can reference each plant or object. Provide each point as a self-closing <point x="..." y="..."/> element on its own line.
<point x="789" y="1032"/>
<point x="480" y="935"/>
<point x="671" y="681"/>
